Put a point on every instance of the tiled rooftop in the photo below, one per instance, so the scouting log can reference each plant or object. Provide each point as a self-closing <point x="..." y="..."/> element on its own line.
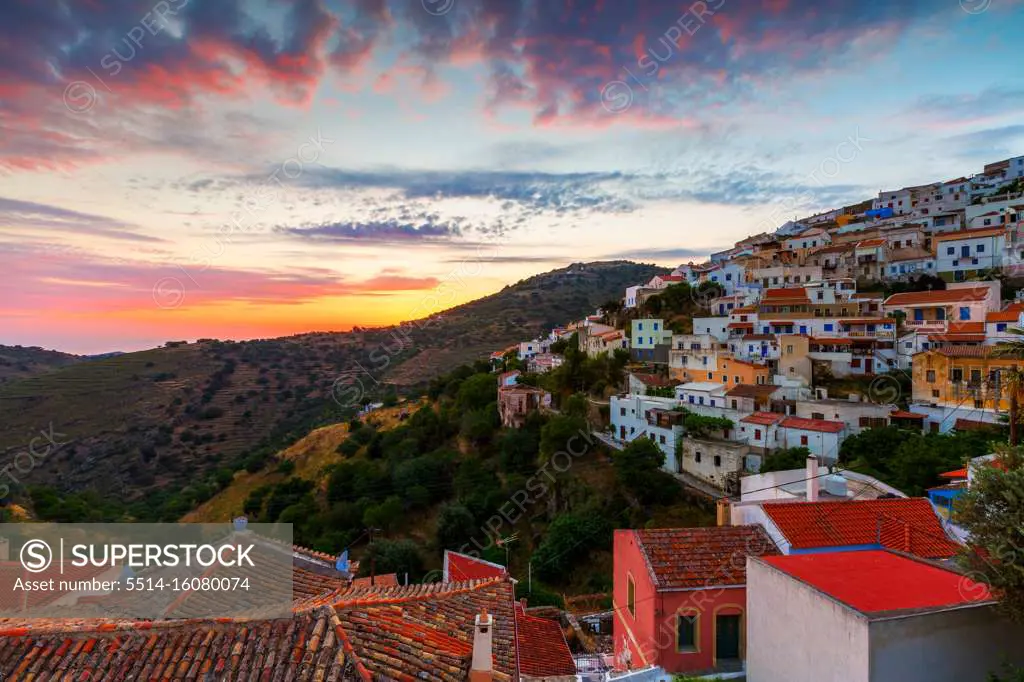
<point x="819" y="425"/>
<point x="763" y="418"/>
<point x="903" y="524"/>
<point x="752" y="390"/>
<point x="701" y="557"/>
<point x="939" y="297"/>
<point x="421" y="632"/>
<point x="543" y="651"/>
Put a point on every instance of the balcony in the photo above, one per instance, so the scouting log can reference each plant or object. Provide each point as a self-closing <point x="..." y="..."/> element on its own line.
<point x="927" y="326"/>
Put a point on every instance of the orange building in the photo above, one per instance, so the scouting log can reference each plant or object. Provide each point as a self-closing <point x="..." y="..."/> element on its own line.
<point x="732" y="372"/>
<point x="968" y="377"/>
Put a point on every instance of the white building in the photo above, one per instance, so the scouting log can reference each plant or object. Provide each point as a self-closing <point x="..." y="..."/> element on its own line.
<point x="871" y="616"/>
<point x="821" y="436"/>
<point x="715" y="326"/>
<point x="641" y="416"/>
<point x="701" y="393"/>
<point x="960" y="255"/>
<point x="898" y="200"/>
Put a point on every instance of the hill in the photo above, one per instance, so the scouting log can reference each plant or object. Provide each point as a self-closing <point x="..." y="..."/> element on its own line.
<point x="19" y="362"/>
<point x="155" y="433"/>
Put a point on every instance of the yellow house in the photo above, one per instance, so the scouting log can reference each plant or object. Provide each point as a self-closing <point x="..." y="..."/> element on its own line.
<point x="971" y="377"/>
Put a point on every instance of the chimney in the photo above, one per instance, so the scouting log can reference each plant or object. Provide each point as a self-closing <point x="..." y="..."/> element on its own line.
<point x="482" y="669"/>
<point x="813" y="482"/>
<point x="723" y="512"/>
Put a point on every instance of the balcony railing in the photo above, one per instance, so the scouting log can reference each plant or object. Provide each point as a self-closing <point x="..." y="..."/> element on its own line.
<point x="927" y="325"/>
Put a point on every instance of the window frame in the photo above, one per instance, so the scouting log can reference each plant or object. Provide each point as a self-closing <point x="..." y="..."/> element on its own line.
<point x="693" y="616"/>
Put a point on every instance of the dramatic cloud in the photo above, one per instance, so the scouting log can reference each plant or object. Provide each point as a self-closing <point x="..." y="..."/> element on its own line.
<point x="374" y="233"/>
<point x="647" y="63"/>
<point x="27" y="214"/>
<point x="555" y="192"/>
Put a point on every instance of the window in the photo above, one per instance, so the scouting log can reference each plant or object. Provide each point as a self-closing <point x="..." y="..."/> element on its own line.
<point x="930" y="376"/>
<point x="686" y="632"/>
<point x="662" y="438"/>
<point x="817" y="415"/>
<point x="622" y="411"/>
<point x="940" y="313"/>
<point x="640" y="326"/>
<point x="978" y="404"/>
<point x="789" y="349"/>
<point x="950" y="251"/>
<point x="725" y="378"/>
<point x="718" y="460"/>
<point x="965" y="313"/>
<point x="734" y="404"/>
<point x="1001" y="327"/>
<point x="631" y="595"/>
<point x="980" y="248"/>
<point x="975" y="376"/>
<point x="957" y="374"/>
<point x="737" y="379"/>
<point x="935" y="393"/>
<point x="829" y="326"/>
<point x="803" y="440"/>
<point x="696" y="457"/>
<point x="757" y="434"/>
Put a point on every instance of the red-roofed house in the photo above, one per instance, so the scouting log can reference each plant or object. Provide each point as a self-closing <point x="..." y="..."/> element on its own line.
<point x="459" y="567"/>
<point x="932" y="311"/>
<point x="679" y="600"/>
<point x="872" y="616"/>
<point x="907" y="524"/>
<point x="821" y="436"/>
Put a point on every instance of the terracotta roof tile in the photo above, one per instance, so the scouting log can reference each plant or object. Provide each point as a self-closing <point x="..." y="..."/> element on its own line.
<point x="543" y="651"/>
<point x="939" y="297"/>
<point x="820" y="425"/>
<point x="701" y="557"/>
<point x="904" y="524"/>
<point x="788" y="295"/>
<point x="418" y="632"/>
<point x="763" y="418"/>
<point x="751" y="390"/>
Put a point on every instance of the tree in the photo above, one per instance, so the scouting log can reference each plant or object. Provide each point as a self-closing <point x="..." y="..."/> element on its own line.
<point x="992" y="511"/>
<point x="639" y="469"/>
<point x="556" y="435"/>
<point x="785" y="459"/>
<point x="455" y="526"/>
<point x="576" y="405"/>
<point x="568" y="541"/>
<point x="1013" y="380"/>
<point x="519" y="448"/>
<point x="476" y="391"/>
<point x="393" y="556"/>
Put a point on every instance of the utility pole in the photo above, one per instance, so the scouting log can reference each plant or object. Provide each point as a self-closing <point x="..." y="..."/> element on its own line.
<point x="373" y="559"/>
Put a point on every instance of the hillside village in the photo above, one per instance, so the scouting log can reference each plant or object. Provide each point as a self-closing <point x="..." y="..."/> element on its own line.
<point x="905" y="304"/>
<point x="763" y="396"/>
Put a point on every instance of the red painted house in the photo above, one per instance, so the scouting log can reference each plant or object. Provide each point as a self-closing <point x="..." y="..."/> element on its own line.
<point x="680" y="596"/>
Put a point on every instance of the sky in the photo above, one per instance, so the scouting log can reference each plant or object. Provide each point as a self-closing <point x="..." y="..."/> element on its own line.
<point x="242" y="169"/>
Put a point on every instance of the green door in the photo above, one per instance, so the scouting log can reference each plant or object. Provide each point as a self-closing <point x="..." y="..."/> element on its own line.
<point x="727" y="637"/>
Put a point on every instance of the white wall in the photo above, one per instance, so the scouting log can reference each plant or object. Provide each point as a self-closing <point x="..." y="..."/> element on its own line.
<point x="794" y="634"/>
<point x="950" y="646"/>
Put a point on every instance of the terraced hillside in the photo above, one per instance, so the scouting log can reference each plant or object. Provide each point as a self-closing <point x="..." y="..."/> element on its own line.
<point x="165" y="429"/>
